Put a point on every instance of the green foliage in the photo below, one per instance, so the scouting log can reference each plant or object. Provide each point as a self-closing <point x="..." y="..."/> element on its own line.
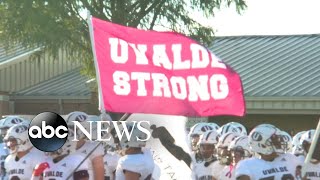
<point x="55" y="24"/>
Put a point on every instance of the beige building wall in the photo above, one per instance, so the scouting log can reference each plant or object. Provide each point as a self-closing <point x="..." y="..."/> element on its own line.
<point x="4" y="103"/>
<point x="25" y="71"/>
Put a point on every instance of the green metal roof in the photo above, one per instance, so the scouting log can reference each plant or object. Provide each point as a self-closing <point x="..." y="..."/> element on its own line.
<point x="13" y="52"/>
<point x="274" y="66"/>
<point x="68" y="84"/>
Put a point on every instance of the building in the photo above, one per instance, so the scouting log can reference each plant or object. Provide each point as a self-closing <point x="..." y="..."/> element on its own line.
<point x="31" y="82"/>
<point x="280" y="75"/>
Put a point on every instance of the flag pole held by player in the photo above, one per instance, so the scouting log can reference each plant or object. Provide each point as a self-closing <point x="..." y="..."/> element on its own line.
<point x="311" y="150"/>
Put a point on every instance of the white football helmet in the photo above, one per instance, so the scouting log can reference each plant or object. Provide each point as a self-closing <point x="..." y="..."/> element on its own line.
<point x="229" y="127"/>
<point x="80" y="117"/>
<point x="136" y="134"/>
<point x="296" y="146"/>
<point x="207" y="145"/>
<point x="243" y="130"/>
<point x="209" y="137"/>
<point x="214" y="125"/>
<point x="17" y="138"/>
<point x="200" y="128"/>
<point x="10" y="121"/>
<point x="265" y="139"/>
<point x="241" y="144"/>
<point x="195" y="132"/>
<point x="225" y="139"/>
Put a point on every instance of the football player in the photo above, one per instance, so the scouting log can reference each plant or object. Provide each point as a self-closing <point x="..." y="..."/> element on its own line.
<point x="313" y="167"/>
<point x="84" y="147"/>
<point x="239" y="149"/>
<point x="265" y="140"/>
<point x="202" y="160"/>
<point x="195" y="132"/>
<point x="21" y="161"/>
<point x="63" y="164"/>
<point x="137" y="162"/>
<point x="5" y="124"/>
<point x="296" y="146"/>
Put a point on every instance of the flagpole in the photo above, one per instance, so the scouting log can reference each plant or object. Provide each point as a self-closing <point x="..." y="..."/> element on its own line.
<point x="311" y="150"/>
<point x="100" y="96"/>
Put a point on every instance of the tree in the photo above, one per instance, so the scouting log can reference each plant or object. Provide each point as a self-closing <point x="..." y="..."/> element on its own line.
<point x="55" y="24"/>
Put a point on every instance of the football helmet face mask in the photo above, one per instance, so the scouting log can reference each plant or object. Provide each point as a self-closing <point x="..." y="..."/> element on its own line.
<point x="224" y="155"/>
<point x="207" y="145"/>
<point x="306" y="140"/>
<point x="265" y="139"/>
<point x="286" y="142"/>
<point x="17" y="139"/>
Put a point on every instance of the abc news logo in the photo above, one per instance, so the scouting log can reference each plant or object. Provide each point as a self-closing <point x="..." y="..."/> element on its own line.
<point x="48" y="131"/>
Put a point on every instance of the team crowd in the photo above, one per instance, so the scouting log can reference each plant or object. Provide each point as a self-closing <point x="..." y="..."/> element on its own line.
<point x="228" y="152"/>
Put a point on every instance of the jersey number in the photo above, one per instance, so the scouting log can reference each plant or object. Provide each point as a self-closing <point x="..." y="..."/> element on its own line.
<point x="284" y="177"/>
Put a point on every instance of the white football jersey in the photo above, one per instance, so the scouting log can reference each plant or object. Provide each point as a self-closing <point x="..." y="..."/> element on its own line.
<point x="228" y="173"/>
<point x="142" y="164"/>
<point x="201" y="169"/>
<point x="86" y="149"/>
<point x="110" y="164"/>
<point x="301" y="158"/>
<point x="313" y="171"/>
<point x="22" y="168"/>
<point x="65" y="167"/>
<point x="282" y="167"/>
<point x="3" y="155"/>
<point x="217" y="169"/>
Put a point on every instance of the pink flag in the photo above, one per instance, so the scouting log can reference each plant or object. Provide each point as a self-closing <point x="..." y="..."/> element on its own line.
<point x="162" y="73"/>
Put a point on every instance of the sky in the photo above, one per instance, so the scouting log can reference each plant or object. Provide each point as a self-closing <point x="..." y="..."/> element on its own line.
<point x="269" y="17"/>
